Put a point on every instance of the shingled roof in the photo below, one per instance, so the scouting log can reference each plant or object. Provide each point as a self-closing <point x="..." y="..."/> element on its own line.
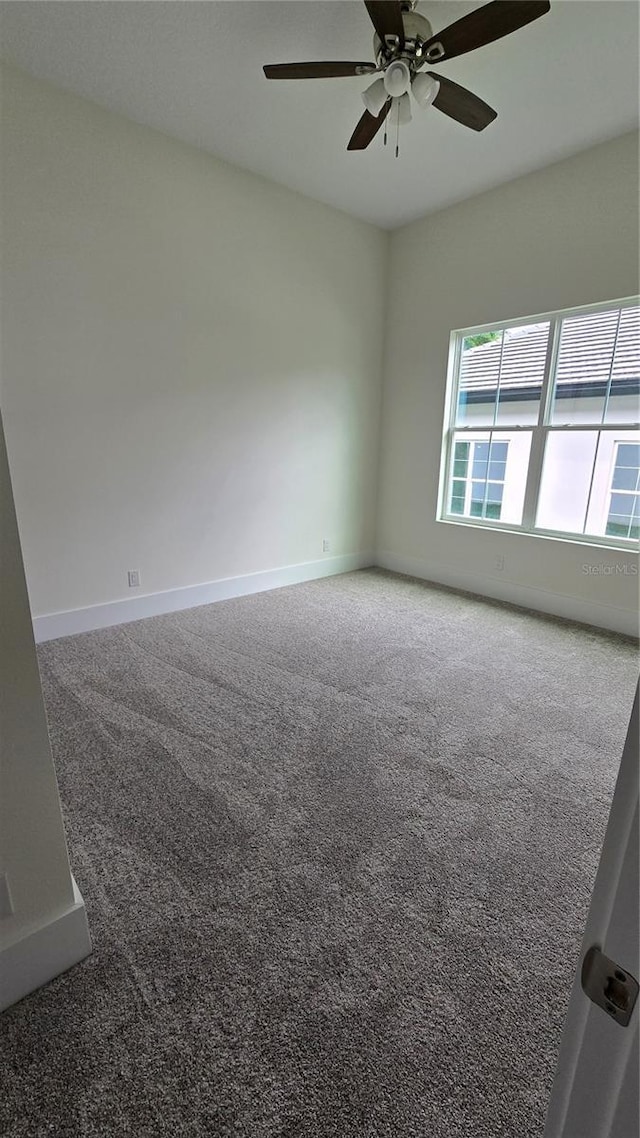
<point x="597" y="350"/>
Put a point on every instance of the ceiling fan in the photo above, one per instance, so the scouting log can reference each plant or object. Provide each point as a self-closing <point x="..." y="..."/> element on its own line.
<point x="403" y="44"/>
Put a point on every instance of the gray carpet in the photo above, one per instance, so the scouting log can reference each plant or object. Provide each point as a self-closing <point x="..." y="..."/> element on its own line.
<point x="336" y="843"/>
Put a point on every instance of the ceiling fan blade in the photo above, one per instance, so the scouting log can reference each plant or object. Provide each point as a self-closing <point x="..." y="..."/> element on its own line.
<point x="316" y="70"/>
<point x="462" y="105"/>
<point x="386" y="17"/>
<point x="367" y="128"/>
<point x="485" y="25"/>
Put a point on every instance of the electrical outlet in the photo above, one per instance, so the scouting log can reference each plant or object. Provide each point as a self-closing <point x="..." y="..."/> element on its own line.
<point x="500" y="562"/>
<point x="326" y="545"/>
<point x="134" y="578"/>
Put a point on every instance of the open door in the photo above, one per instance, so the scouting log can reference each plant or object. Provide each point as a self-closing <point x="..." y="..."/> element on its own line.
<point x="596" y="1093"/>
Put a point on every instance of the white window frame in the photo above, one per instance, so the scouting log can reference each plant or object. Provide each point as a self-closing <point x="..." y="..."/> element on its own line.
<point x="538" y="431"/>
<point x="612" y="491"/>
<point x="469" y="479"/>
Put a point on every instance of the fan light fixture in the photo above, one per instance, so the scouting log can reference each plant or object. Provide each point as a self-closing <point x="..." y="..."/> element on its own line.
<point x="403" y="42"/>
<point x="397" y="78"/>
<point x="375" y="97"/>
<point x="425" y="88"/>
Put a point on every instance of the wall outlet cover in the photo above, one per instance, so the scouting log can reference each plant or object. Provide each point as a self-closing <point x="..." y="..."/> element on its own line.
<point x="134" y="578"/>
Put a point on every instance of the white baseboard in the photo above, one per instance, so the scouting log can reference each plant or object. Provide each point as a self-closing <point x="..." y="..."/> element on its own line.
<point x="57" y="624"/>
<point x="44" y="953"/>
<point x="611" y="617"/>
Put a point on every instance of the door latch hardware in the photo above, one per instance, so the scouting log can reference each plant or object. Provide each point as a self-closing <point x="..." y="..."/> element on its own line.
<point x="609" y="986"/>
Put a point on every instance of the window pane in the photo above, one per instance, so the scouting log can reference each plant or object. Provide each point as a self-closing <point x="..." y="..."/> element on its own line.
<point x="478" y="379"/>
<point x="614" y="506"/>
<point x="577" y="493"/>
<point x="623" y="405"/>
<point x="622" y="504"/>
<point x="625" y="478"/>
<point x="566" y="480"/>
<point x="628" y="455"/>
<point x="500" y="376"/>
<point x="623" y="527"/>
<point x="617" y="527"/>
<point x="584" y="367"/>
<point x="494" y="489"/>
<point x="521" y="374"/>
<point x="497" y="470"/>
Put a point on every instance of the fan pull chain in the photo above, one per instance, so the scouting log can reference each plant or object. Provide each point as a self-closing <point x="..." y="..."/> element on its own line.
<point x="398" y="131"/>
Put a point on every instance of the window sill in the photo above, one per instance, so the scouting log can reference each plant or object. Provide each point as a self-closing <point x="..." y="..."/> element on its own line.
<point x="588" y="542"/>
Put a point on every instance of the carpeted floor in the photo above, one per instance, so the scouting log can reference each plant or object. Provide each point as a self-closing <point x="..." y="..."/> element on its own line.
<point x="336" y="844"/>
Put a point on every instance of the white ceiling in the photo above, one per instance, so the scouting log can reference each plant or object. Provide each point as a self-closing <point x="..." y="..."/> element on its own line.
<point x="194" y="70"/>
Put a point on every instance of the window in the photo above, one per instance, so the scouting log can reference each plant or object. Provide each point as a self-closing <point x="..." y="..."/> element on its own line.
<point x="542" y="431"/>
<point x="478" y="478"/>
<point x="624" y="504"/>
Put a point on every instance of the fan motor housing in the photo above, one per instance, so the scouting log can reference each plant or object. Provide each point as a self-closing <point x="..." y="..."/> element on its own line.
<point x="417" y="30"/>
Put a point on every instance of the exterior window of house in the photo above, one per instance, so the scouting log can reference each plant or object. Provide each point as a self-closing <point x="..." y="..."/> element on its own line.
<point x="478" y="478"/>
<point x="542" y="427"/>
<point x="624" y="504"/>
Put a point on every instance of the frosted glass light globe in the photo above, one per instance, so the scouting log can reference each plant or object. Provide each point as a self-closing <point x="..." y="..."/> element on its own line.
<point x="425" y="88"/>
<point x="375" y="97"/>
<point x="397" y="78"/>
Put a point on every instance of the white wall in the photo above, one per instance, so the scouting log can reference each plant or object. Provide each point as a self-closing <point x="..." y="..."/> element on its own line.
<point x="192" y="355"/>
<point x="37" y="895"/>
<point x="191" y="359"/>
<point x="33" y="853"/>
<point x="559" y="238"/>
